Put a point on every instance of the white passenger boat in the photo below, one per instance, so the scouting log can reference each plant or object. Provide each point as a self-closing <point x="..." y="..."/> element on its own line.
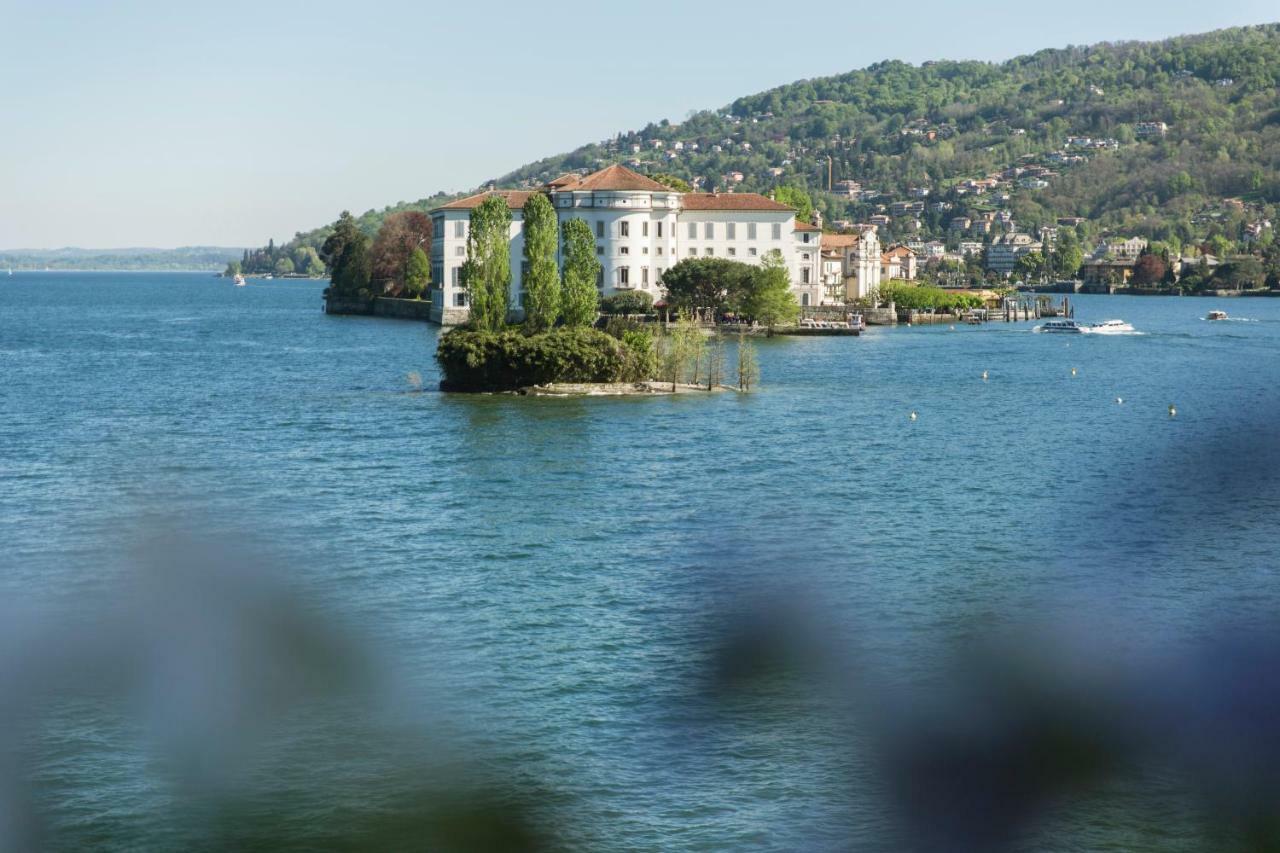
<point x="1217" y="315"/>
<point x="1071" y="327"/>
<point x="239" y="280"/>
<point x="1062" y="327"/>
<point x="1111" y="327"/>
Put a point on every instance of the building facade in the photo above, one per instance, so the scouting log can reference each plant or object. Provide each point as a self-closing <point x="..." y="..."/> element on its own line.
<point x="642" y="229"/>
<point x="850" y="265"/>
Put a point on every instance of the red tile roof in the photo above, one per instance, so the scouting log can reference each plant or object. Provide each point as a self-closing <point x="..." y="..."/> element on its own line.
<point x="730" y="201"/>
<point x="515" y="200"/>
<point x="840" y="241"/>
<point x="564" y="180"/>
<point x="807" y="226"/>
<point x="613" y="178"/>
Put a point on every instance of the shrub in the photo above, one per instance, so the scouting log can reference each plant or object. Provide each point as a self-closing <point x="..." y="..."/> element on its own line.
<point x="640" y="357"/>
<point x="473" y="360"/>
<point x="627" y="302"/>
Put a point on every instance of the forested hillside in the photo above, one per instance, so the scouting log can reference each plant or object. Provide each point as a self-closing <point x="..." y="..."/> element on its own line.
<point x="1176" y="140"/>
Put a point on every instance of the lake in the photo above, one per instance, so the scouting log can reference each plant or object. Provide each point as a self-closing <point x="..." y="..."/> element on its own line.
<point x="555" y="582"/>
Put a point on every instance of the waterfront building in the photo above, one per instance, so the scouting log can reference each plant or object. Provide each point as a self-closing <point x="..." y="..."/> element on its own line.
<point x="1005" y="250"/>
<point x="898" y="262"/>
<point x="642" y="229"/>
<point x="850" y="265"/>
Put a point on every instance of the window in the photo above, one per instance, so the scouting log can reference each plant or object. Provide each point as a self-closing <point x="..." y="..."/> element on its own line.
<point x="600" y="228"/>
<point x="751" y="230"/>
<point x="624" y="228"/>
<point x="693" y="231"/>
<point x="524" y="270"/>
<point x="693" y="252"/>
<point x="710" y="230"/>
<point x="456" y="276"/>
<point x="804" y="275"/>
<point x="600" y="278"/>
<point x="624" y="251"/>
<point x="460" y="300"/>
<point x="804" y="300"/>
<point x="520" y="299"/>
<point x="731" y="231"/>
<point x="459" y="228"/>
<point x="710" y="251"/>
<point x="624" y="276"/>
<point x="644" y="250"/>
<point x="752" y="251"/>
<point x="644" y="228"/>
<point x="806" y="236"/>
<point x="732" y="251"/>
<point x="599" y="249"/>
<point x="658" y="275"/>
<point x="659" y="250"/>
<point x="659" y="227"/>
<point x="460" y="251"/>
<point x="644" y="276"/>
<point x="777" y="230"/>
<point x="804" y="256"/>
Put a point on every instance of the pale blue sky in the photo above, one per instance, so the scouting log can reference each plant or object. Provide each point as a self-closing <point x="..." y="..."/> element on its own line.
<point x="147" y="123"/>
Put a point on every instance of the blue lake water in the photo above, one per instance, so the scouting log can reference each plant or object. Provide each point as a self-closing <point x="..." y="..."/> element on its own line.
<point x="566" y="562"/>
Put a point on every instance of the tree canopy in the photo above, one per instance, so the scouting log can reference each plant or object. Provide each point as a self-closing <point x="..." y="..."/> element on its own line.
<point x="579" y="298"/>
<point x="541" y="278"/>
<point x="486" y="274"/>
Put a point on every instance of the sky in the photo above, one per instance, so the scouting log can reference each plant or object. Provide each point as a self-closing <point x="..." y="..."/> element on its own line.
<point x="144" y="123"/>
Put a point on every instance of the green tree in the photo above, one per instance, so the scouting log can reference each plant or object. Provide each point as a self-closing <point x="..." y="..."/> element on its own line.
<point x="579" y="297"/>
<point x="542" y="300"/>
<point x="284" y="266"/>
<point x="718" y="284"/>
<point x="770" y="300"/>
<point x="748" y="367"/>
<point x="1031" y="265"/>
<point x="417" y="273"/>
<point x="346" y="254"/>
<point x="1067" y="255"/>
<point x="352" y="270"/>
<point x="486" y="274"/>
<point x="798" y="198"/>
<point x="678" y="184"/>
<point x="233" y="269"/>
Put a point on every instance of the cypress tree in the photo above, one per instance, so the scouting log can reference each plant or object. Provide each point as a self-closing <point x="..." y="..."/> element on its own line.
<point x="486" y="273"/>
<point x="541" y="275"/>
<point x="579" y="299"/>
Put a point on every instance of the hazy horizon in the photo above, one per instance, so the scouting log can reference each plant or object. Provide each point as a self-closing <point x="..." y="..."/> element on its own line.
<point x="147" y="126"/>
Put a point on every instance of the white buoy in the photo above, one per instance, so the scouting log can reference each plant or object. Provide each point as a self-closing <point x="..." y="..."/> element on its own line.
<point x="912" y="416"/>
<point x="1119" y="401"/>
<point x="953" y="328"/>
<point x="1073" y="371"/>
<point x="1173" y="410"/>
<point x="984" y="376"/>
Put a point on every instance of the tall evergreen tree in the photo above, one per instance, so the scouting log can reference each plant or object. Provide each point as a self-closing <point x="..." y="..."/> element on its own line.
<point x="541" y="275"/>
<point x="579" y="300"/>
<point x="487" y="271"/>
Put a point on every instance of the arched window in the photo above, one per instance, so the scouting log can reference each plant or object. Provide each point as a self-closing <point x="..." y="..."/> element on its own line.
<point x="804" y="300"/>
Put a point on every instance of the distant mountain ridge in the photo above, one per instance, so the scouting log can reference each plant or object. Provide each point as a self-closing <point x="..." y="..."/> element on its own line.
<point x="1174" y="140"/>
<point x="193" y="258"/>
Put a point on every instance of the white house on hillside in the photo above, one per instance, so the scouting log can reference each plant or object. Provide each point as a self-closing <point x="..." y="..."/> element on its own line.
<point x="642" y="229"/>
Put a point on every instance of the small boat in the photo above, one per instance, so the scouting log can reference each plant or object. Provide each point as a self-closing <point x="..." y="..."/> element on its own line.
<point x="239" y="280"/>
<point x="1217" y="315"/>
<point x="1110" y="327"/>
<point x="1062" y="327"/>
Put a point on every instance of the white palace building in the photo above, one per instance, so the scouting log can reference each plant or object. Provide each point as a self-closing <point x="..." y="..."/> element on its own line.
<point x="642" y="229"/>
